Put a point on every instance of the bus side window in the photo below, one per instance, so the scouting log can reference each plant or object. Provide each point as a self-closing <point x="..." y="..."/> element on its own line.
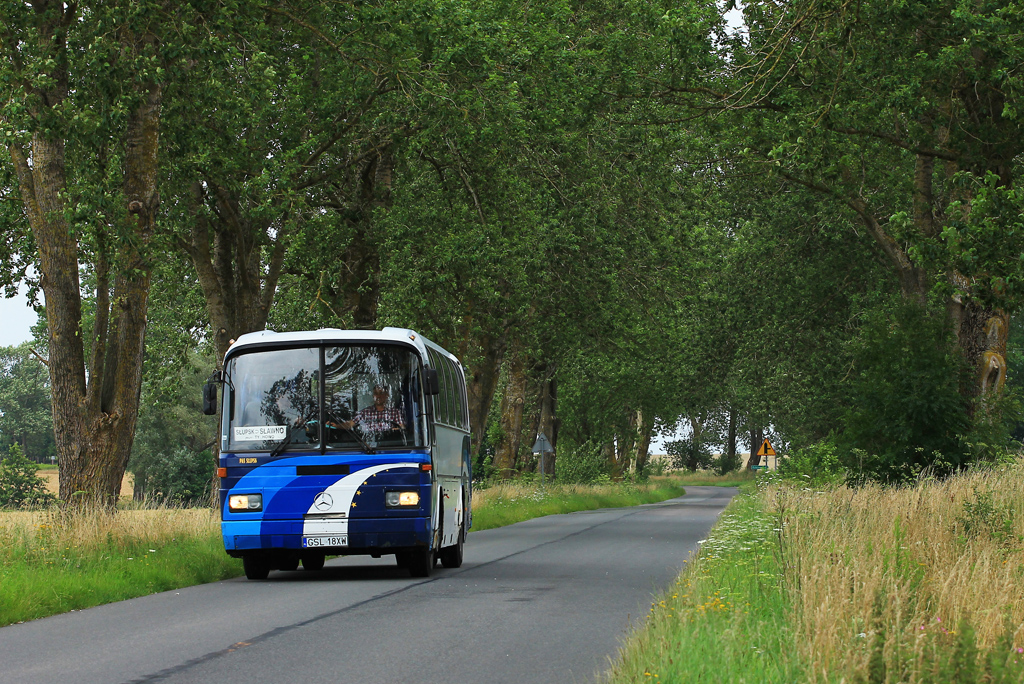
<point x="453" y="394"/>
<point x="461" y="398"/>
<point x="449" y="390"/>
<point x="446" y="389"/>
<point x="440" y="405"/>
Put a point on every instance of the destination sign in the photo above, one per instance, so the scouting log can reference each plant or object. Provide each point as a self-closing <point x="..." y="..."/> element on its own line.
<point x="261" y="433"/>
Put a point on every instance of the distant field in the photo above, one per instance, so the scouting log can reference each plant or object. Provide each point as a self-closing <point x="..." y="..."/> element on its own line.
<point x="53" y="485"/>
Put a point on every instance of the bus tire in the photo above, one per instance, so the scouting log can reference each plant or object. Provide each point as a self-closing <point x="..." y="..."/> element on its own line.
<point x="451" y="556"/>
<point x="314" y="561"/>
<point x="256" y="567"/>
<point x="403" y="558"/>
<point x="421" y="562"/>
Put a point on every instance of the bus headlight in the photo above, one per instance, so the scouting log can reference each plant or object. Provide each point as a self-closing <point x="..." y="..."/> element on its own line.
<point x="396" y="499"/>
<point x="245" y="502"/>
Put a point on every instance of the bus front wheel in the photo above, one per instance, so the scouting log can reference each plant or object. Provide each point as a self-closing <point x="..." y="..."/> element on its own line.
<point x="421" y="562"/>
<point x="451" y="556"/>
<point x="313" y="561"/>
<point x="256" y="567"/>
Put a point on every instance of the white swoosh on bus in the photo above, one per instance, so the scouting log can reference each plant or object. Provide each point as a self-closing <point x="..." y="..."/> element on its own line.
<point x="342" y="492"/>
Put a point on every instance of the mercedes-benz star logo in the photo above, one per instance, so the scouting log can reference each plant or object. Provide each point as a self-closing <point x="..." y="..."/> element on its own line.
<point x="323" y="501"/>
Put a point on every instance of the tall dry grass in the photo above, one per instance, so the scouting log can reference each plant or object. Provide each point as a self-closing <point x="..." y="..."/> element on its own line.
<point x="883" y="579"/>
<point x="98" y="527"/>
<point x="54" y="561"/>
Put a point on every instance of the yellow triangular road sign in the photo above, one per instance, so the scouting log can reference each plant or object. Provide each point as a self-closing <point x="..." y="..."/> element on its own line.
<point x="766" y="449"/>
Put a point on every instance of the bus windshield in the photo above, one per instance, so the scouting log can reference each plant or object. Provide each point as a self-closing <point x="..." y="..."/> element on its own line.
<point x="333" y="397"/>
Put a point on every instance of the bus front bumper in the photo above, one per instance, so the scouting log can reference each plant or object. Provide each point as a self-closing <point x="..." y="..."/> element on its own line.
<point x="363" y="536"/>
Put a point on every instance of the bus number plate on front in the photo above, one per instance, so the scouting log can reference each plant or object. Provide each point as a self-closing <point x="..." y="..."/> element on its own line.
<point x="315" y="542"/>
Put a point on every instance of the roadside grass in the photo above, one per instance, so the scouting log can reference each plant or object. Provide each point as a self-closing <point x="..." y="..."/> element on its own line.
<point x="505" y="503"/>
<point x="726" y="618"/>
<point x="867" y="584"/>
<point x="708" y="478"/>
<point x="52" y="562"/>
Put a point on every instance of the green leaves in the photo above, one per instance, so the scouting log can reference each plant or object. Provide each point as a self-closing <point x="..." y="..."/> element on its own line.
<point x="20" y="487"/>
<point x="25" y="412"/>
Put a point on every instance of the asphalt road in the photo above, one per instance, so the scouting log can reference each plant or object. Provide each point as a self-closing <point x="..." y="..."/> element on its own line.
<point x="547" y="600"/>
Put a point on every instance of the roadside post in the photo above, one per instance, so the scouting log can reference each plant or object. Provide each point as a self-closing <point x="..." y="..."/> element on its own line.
<point x="541" y="447"/>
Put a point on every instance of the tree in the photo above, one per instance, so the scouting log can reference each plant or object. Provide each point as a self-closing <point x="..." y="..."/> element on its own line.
<point x="906" y="411"/>
<point x="289" y="158"/>
<point x="906" y="116"/>
<point x="171" y="455"/>
<point x="85" y="89"/>
<point x="25" y="418"/>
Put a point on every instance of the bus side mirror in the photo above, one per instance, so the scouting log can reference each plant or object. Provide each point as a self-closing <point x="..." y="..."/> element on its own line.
<point x="431" y="385"/>
<point x="210" y="399"/>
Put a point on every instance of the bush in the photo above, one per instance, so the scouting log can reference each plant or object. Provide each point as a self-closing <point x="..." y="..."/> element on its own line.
<point x="906" y="411"/>
<point x="181" y="476"/>
<point x="690" y="455"/>
<point x="584" y="464"/>
<point x="20" y="487"/>
<point x="655" y="468"/>
<point x="817" y="465"/>
<point x="725" y="465"/>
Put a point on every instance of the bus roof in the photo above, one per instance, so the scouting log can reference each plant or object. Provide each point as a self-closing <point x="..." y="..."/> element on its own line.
<point x="269" y="338"/>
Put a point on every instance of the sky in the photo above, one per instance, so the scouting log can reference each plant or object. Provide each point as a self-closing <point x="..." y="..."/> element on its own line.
<point x="16" y="320"/>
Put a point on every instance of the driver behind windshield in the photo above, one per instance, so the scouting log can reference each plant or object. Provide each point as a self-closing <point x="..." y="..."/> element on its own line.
<point x="380" y="417"/>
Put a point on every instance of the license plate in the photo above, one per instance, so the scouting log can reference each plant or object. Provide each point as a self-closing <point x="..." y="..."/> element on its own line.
<point x="315" y="542"/>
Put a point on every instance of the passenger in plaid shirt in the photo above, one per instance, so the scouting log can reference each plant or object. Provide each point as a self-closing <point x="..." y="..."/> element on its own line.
<point x="379" y="417"/>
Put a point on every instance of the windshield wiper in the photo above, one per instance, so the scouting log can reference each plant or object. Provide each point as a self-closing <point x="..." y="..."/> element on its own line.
<point x="283" y="443"/>
<point x="366" y="447"/>
<point x="335" y="425"/>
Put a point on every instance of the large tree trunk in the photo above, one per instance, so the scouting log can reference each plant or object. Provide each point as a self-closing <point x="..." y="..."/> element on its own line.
<point x="512" y="404"/>
<point x="362" y="258"/>
<point x="239" y="287"/>
<point x="696" y="442"/>
<point x="729" y="464"/>
<point x="980" y="331"/>
<point x="354" y="289"/>
<point x="483" y="358"/>
<point x="645" y="427"/>
<point x="625" y="443"/>
<point x="546" y="419"/>
<point x="94" y="420"/>
<point x="97" y="463"/>
<point x="981" y="335"/>
<point x="756" y="438"/>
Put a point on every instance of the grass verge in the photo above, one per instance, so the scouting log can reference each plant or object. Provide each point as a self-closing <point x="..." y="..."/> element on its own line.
<point x="507" y="503"/>
<point x="868" y="584"/>
<point x="51" y="563"/>
<point x="726" y="619"/>
<point x="704" y="478"/>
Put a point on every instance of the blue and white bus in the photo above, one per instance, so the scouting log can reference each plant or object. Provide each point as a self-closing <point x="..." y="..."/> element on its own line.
<point x="342" y="442"/>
